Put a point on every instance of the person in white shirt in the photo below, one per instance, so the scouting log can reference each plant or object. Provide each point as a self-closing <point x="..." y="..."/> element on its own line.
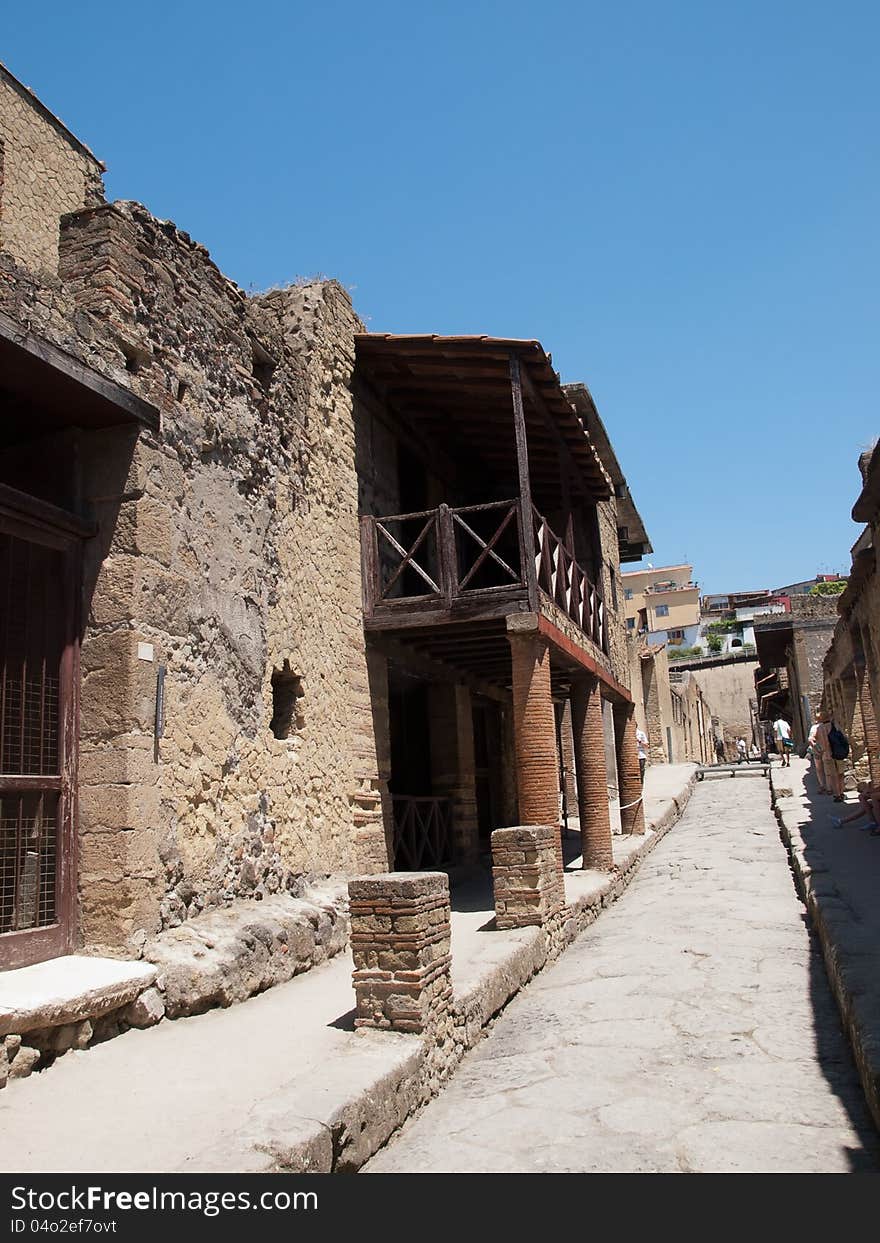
<point x="642" y="744"/>
<point x="742" y="753"/>
<point x="782" y="733"/>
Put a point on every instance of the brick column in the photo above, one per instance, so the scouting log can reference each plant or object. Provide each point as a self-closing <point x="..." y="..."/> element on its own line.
<point x="525" y="877"/>
<point x="400" y="945"/>
<point x="869" y="716"/>
<point x="632" y="818"/>
<point x="534" y="729"/>
<point x="592" y="776"/>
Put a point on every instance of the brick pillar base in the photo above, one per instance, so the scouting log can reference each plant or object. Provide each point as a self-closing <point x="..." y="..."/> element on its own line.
<point x="534" y="728"/>
<point x="592" y="775"/>
<point x="400" y="945"/>
<point x="525" y="876"/>
<point x="632" y="813"/>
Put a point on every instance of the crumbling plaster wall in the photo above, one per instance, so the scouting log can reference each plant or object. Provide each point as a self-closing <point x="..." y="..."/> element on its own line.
<point x="44" y="172"/>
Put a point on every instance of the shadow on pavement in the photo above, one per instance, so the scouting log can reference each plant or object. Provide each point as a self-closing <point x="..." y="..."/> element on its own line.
<point x="852" y="859"/>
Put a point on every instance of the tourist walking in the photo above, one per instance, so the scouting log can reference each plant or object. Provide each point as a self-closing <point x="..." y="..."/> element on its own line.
<point x="817" y="741"/>
<point x="830" y="767"/>
<point x="642" y="744"/>
<point x="782" y="733"/>
<point x="741" y="752"/>
<point x="719" y="750"/>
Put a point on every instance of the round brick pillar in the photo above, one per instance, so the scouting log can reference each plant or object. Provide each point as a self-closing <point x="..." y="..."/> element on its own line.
<point x="632" y="813"/>
<point x="592" y="776"/>
<point x="534" y="730"/>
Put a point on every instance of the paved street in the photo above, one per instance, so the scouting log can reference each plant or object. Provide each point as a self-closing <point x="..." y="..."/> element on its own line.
<point x="690" y="1029"/>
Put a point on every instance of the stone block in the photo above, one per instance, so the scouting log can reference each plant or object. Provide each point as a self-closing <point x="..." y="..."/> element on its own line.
<point x="400" y="946"/>
<point x="526" y="894"/>
<point x="146" y="1010"/>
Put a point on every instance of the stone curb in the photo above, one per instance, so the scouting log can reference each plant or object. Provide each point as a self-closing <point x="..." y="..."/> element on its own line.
<point x="852" y="963"/>
<point x="337" y="1130"/>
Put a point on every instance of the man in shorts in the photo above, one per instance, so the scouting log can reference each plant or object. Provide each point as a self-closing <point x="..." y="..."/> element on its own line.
<point x="782" y="734"/>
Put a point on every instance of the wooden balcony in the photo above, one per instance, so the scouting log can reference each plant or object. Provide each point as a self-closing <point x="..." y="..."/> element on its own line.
<point x="472" y="563"/>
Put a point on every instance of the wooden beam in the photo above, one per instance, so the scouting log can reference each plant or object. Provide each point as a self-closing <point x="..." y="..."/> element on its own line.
<point x="527" y="526"/>
<point x="537" y="400"/>
<point x="434" y="670"/>
<point x="130" y="407"/>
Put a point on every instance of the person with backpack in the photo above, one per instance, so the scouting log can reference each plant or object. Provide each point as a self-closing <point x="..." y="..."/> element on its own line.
<point x="838" y="752"/>
<point x="829" y="768"/>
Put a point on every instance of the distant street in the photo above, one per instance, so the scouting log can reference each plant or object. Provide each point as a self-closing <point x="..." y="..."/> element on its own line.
<point x="690" y="1029"/>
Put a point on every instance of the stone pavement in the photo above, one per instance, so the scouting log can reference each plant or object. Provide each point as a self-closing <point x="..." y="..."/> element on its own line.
<point x="690" y="1029"/>
<point x="281" y="1080"/>
<point x="838" y="875"/>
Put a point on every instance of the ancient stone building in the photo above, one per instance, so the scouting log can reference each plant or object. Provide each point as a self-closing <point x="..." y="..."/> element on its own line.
<point x="180" y="570"/>
<point x="791" y="649"/>
<point x="492" y="602"/>
<point x="678" y="717"/>
<point x="850" y="673"/>
<point x="280" y="597"/>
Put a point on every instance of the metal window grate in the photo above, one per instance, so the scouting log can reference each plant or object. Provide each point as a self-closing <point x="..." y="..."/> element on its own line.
<point x="31" y="643"/>
<point x="27" y="861"/>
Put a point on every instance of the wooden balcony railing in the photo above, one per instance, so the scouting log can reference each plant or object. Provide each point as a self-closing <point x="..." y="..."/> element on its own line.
<point x="438" y="557"/>
<point x="422" y="832"/>
<point x="562" y="579"/>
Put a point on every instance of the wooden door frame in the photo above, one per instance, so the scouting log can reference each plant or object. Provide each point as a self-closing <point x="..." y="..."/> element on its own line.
<point x="27" y="518"/>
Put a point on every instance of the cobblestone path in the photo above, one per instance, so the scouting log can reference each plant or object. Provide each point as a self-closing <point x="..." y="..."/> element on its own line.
<point x="690" y="1029"/>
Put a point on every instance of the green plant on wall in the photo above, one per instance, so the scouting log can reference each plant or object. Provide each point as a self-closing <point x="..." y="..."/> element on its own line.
<point x="727" y="626"/>
<point x="715" y="642"/>
<point x="829" y="589"/>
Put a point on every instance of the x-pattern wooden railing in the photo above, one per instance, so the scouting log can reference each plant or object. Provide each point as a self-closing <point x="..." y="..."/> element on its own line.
<point x="488" y="547"/>
<point x="422" y="832"/>
<point x="561" y="578"/>
<point x="460" y="552"/>
<point x="407" y="555"/>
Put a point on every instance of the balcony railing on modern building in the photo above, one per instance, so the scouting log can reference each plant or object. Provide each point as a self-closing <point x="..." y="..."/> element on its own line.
<point x="452" y="559"/>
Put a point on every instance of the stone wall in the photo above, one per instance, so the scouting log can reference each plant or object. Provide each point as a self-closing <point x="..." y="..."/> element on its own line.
<point x="228" y="552"/>
<point x="728" y="686"/>
<point x="612" y="591"/>
<point x="44" y="172"/>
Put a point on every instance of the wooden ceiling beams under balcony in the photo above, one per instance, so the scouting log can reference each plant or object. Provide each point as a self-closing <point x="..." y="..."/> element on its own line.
<point x="459" y="389"/>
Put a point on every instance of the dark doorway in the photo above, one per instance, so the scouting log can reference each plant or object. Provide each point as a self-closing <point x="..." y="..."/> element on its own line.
<point x="38" y="678"/>
<point x="487" y="767"/>
<point x="422" y="822"/>
<point x="410" y="735"/>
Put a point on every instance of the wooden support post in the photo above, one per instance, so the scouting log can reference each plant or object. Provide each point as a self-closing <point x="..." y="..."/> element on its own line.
<point x="527" y="525"/>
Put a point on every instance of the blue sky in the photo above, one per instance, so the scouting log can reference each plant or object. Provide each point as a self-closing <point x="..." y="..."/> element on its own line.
<point x="680" y="200"/>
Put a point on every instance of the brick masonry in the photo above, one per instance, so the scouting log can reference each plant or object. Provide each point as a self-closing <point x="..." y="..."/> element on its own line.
<point x="525" y="876"/>
<point x="589" y="750"/>
<point x="632" y="814"/>
<point x="400" y="945"/>
<point x="534" y="726"/>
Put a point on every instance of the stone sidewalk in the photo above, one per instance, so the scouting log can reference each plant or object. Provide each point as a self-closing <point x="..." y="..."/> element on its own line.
<point x="691" y="1029"/>
<point x="282" y="1081"/>
<point x="837" y="872"/>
